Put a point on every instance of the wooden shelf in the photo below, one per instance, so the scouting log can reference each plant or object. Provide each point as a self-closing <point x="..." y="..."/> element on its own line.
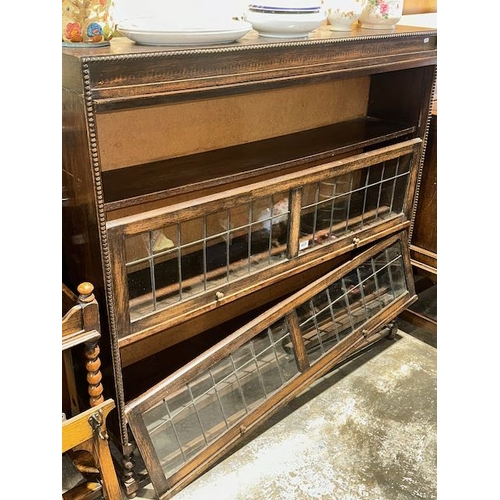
<point x="151" y="182"/>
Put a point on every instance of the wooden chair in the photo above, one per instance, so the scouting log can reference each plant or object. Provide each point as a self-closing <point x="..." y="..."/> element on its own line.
<point x="86" y="429"/>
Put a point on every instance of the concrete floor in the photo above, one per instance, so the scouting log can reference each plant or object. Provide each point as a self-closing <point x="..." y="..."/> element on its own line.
<point x="365" y="431"/>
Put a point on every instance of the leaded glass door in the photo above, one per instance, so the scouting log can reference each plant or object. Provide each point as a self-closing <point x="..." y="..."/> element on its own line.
<point x="186" y="259"/>
<point x="186" y="422"/>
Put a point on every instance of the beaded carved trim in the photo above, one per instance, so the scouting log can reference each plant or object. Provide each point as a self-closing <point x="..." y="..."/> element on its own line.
<point x="108" y="281"/>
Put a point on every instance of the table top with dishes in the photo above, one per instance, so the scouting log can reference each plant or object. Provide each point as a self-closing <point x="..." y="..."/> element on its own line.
<point x="267" y="19"/>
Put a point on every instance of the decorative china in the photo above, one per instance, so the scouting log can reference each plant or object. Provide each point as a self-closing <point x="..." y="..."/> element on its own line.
<point x="381" y="14"/>
<point x="277" y="21"/>
<point x="156" y="31"/>
<point x="282" y="10"/>
<point x="87" y="23"/>
<point x="287" y="4"/>
<point x="343" y="13"/>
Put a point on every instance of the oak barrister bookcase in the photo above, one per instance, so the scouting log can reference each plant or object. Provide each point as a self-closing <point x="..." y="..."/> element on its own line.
<point x="243" y="212"/>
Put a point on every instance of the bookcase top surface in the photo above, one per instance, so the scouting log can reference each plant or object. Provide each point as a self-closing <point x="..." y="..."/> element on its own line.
<point x="117" y="75"/>
<point x="122" y="46"/>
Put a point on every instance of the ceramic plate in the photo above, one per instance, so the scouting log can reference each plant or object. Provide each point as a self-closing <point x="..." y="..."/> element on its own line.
<point x="151" y="31"/>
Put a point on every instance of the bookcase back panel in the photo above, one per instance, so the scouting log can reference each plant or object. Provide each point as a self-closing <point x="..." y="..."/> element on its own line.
<point x="152" y="133"/>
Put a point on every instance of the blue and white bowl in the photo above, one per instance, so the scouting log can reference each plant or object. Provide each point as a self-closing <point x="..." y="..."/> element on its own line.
<point x="285" y="24"/>
<point x="287" y="5"/>
<point x="283" y="10"/>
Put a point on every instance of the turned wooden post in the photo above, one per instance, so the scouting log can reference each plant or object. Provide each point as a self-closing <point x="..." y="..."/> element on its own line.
<point x="86" y="298"/>
<point x="94" y="376"/>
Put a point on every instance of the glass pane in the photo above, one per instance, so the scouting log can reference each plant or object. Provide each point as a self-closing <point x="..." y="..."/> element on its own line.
<point x="200" y="386"/>
<point x="216" y="224"/>
<point x="328" y="331"/>
<point x="240" y="217"/>
<point x="372" y="195"/>
<point x="188" y="429"/>
<point x="390" y="273"/>
<point x="215" y="261"/>
<point x="270" y="372"/>
<point x="137" y="247"/>
<point x="166" y="279"/>
<point x="347" y="304"/>
<point x="325" y="208"/>
<point x="310" y="331"/>
<point x="395" y="175"/>
<point x="221" y="371"/>
<point x="152" y="270"/>
<point x="186" y="422"/>
<point x="140" y="289"/>
<point x="278" y="332"/>
<point x="163" y="436"/>
<point x="155" y="417"/>
<point x="251" y="384"/>
<point x="391" y="169"/>
<point x="143" y="245"/>
<point x="399" y="194"/>
<point x="242" y="356"/>
<point x="231" y="399"/>
<point x="193" y="271"/>
<point x="271" y="215"/>
<point x="211" y="416"/>
<point x="308" y="214"/>
<point x="207" y="406"/>
<point x="285" y="360"/>
<point x="396" y="271"/>
<point x="370" y="289"/>
<point x="228" y="389"/>
<point x="261" y="212"/>
<point x="163" y="239"/>
<point x="354" y="298"/>
<point x="177" y="401"/>
<point x="192" y="230"/>
<point x="239" y="253"/>
<point x="340" y="205"/>
<point x="261" y="342"/>
<point x="279" y="219"/>
<point x="166" y="445"/>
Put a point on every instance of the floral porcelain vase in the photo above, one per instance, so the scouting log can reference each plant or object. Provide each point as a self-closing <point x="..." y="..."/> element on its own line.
<point x="381" y="14"/>
<point x="87" y="23"/>
<point x="343" y="13"/>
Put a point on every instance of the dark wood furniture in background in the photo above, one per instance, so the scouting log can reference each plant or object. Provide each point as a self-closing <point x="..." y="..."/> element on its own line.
<point x="423" y="238"/>
<point x="209" y="191"/>
<point x="419" y="6"/>
<point x="424" y="225"/>
<point x="84" y="424"/>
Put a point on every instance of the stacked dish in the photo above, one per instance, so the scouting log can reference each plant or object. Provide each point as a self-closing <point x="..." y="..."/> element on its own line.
<point x="286" y="18"/>
<point x="160" y="31"/>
